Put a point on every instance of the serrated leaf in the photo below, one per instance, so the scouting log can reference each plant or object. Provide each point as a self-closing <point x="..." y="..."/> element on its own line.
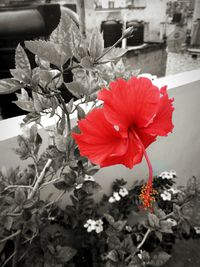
<point x="96" y="44"/>
<point x="8" y="86"/>
<point x="21" y="59"/>
<point x="159" y="258"/>
<point x="62" y="34"/>
<point x="76" y="89"/>
<point x="25" y="105"/>
<point x="47" y="51"/>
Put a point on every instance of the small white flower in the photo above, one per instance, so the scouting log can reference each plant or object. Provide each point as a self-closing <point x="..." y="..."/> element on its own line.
<point x="90" y="225"/>
<point x="167" y="175"/>
<point x="172" y="221"/>
<point x="174" y="191"/>
<point x="166" y="196"/>
<point x="89" y="178"/>
<point x="197" y="229"/>
<point x="123" y="192"/>
<point x="116" y="196"/>
<point x="111" y="200"/>
<point x="99" y="226"/>
<point x="79" y="186"/>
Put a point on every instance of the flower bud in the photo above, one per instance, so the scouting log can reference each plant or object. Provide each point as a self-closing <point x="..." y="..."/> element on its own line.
<point x="128" y="32"/>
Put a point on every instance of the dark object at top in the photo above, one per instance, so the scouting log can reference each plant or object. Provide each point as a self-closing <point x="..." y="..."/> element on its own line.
<point x="112" y="31"/>
<point x="17" y="25"/>
<point x="137" y="37"/>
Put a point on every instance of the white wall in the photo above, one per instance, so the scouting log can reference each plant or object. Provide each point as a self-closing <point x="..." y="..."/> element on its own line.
<point x="179" y="151"/>
<point x="154" y="13"/>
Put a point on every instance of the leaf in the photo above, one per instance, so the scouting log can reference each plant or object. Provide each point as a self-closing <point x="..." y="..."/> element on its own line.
<point x="78" y="45"/>
<point x="96" y="44"/>
<point x="20" y="75"/>
<point x="20" y="196"/>
<point x="87" y="63"/>
<point x="65" y="254"/>
<point x="81" y="113"/>
<point x="153" y="220"/>
<point x="9" y="85"/>
<point x="25" y="105"/>
<point x="159" y="258"/>
<point x="166" y="227"/>
<point x="76" y="89"/>
<point x="114" y="54"/>
<point x="62" y="34"/>
<point x="159" y="235"/>
<point x="91" y="171"/>
<point x="47" y="51"/>
<point x="113" y="256"/>
<point x="91" y="187"/>
<point x="21" y="59"/>
<point x="23" y="150"/>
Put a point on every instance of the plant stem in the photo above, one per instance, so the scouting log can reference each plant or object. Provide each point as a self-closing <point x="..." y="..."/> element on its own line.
<point x="66" y="112"/>
<point x="17" y="244"/>
<point x="110" y="48"/>
<point x="8" y="259"/>
<point x="39" y="180"/>
<point x="10" y="236"/>
<point x="143" y="240"/>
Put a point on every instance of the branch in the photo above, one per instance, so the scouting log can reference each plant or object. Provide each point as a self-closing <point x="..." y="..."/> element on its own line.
<point x="18" y="186"/>
<point x="143" y="240"/>
<point x="40" y="178"/>
<point x="10" y="236"/>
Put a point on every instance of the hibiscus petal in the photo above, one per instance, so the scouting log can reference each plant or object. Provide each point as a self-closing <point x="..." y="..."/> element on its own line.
<point x="132" y="157"/>
<point x="130" y="103"/>
<point x="162" y="122"/>
<point x="98" y="138"/>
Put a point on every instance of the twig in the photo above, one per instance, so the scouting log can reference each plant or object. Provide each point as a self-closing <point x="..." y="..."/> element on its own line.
<point x="18" y="186"/>
<point x="40" y="178"/>
<point x="143" y="240"/>
<point x="10" y="236"/>
<point x="109" y="49"/>
<point x="66" y="112"/>
<point x="139" y="245"/>
<point x="49" y="182"/>
<point x="8" y="259"/>
<point x="17" y="244"/>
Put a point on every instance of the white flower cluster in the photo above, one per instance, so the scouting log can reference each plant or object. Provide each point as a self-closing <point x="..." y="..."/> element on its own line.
<point x="86" y="178"/>
<point x="197" y="229"/>
<point x="118" y="195"/>
<point x="89" y="178"/>
<point x="167" y="175"/>
<point x="167" y="194"/>
<point x="172" y="221"/>
<point x="94" y="225"/>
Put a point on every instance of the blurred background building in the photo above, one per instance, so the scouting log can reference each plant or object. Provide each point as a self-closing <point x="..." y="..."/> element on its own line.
<point x="166" y="37"/>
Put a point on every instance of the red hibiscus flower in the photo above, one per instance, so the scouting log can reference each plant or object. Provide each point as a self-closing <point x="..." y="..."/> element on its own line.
<point x="134" y="113"/>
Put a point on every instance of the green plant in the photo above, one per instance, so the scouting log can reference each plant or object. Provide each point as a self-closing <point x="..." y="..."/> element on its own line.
<point x="113" y="232"/>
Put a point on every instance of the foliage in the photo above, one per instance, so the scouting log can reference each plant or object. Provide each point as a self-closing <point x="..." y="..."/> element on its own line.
<point x="113" y="232"/>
